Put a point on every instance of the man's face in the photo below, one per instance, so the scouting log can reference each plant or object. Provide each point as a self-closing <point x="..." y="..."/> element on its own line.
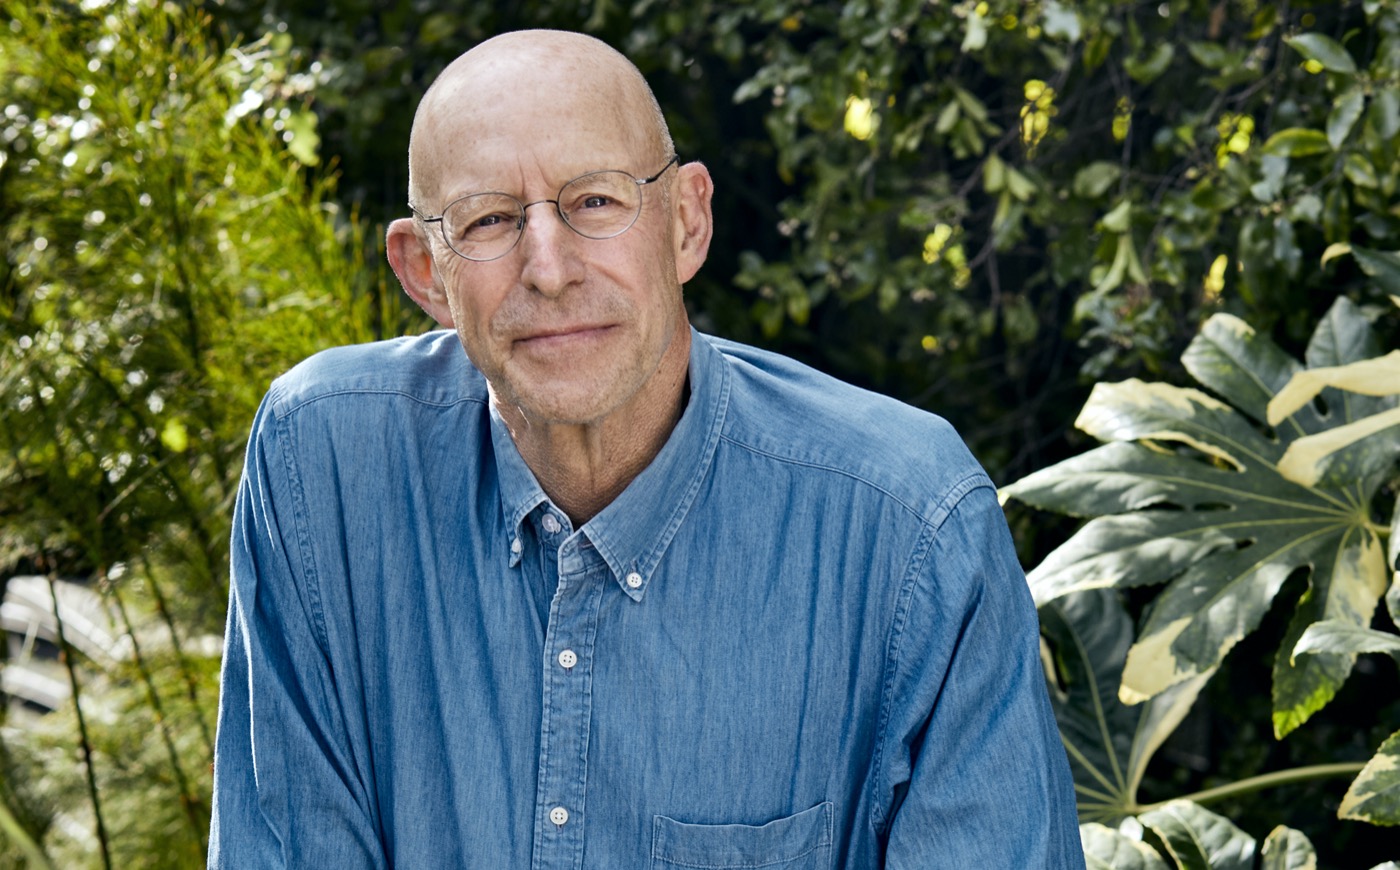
<point x="567" y="329"/>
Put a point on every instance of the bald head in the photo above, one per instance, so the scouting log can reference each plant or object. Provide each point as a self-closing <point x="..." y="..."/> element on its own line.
<point x="531" y="86"/>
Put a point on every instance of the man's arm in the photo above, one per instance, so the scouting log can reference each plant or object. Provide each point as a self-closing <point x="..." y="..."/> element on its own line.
<point x="971" y="754"/>
<point x="289" y="789"/>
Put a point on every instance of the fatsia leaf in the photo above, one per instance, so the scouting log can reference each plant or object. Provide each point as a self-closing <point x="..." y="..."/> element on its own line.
<point x="1223" y="530"/>
<point x="1135" y="410"/>
<point x="1346" y="594"/>
<point x="1351" y="452"/>
<point x="1198" y="839"/>
<point x="1344" y="336"/>
<point x="1108" y="849"/>
<point x="1392" y="560"/>
<point x="1374" y="795"/>
<point x="1123" y="476"/>
<point x="1341" y="636"/>
<point x="1244" y="368"/>
<point x="1287" y="849"/>
<point x="1128" y="550"/>
<point x="1108" y="743"/>
<point x="1371" y="377"/>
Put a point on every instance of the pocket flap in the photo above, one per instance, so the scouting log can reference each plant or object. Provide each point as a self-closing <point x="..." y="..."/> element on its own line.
<point x="735" y="846"/>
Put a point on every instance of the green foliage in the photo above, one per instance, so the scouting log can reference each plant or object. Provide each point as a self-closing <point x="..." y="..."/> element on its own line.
<point x="165" y="257"/>
<point x="1108" y="742"/>
<point x="1222" y="503"/>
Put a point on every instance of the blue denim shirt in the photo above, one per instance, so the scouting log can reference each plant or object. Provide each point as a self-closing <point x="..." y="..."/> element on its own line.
<point x="799" y="639"/>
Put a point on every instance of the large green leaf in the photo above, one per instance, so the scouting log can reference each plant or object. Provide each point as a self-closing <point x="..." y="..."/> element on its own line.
<point x="1287" y="849"/>
<point x="1198" y="839"/>
<point x="1108" y="849"/>
<point x="1189" y="492"/>
<point x="1338" y="635"/>
<point x="1109" y="744"/>
<point x="1374" y="796"/>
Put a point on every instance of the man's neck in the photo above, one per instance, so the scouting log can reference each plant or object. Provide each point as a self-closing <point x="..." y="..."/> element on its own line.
<point x="582" y="467"/>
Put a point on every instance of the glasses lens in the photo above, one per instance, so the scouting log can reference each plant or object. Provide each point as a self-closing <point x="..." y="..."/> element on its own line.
<point x="483" y="226"/>
<point x="600" y="205"/>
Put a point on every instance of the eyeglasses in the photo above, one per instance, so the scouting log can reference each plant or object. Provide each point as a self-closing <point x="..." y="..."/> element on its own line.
<point x="596" y="205"/>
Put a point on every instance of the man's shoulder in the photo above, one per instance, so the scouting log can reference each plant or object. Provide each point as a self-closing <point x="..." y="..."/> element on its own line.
<point x="789" y="411"/>
<point x="429" y="368"/>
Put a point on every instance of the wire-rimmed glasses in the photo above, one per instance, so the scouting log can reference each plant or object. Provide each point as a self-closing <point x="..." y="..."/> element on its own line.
<point x="596" y="205"/>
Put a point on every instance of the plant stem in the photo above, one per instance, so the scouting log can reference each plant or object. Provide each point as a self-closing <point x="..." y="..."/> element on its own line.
<point x="1268" y="780"/>
<point x="67" y="651"/>
<point x="17" y="835"/>
<point x="188" y="799"/>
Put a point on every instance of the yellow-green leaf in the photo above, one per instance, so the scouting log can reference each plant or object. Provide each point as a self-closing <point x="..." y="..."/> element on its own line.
<point x="1372" y="377"/>
<point x="1374" y="795"/>
<point x="1229" y="527"/>
<point x="1297" y="142"/>
<point x="1308" y="459"/>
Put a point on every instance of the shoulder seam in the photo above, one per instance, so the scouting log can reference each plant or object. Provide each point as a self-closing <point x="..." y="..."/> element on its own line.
<point x="974" y="478"/>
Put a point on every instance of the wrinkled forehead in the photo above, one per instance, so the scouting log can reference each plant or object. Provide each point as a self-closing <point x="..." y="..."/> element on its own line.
<point x="496" y="121"/>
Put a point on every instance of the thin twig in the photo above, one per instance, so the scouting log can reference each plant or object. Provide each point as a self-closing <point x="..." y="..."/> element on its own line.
<point x="67" y="654"/>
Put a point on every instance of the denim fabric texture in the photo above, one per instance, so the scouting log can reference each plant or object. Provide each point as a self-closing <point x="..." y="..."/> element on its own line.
<point x="799" y="639"/>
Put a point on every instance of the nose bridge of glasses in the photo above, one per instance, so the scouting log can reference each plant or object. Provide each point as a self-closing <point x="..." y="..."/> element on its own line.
<point x="525" y="211"/>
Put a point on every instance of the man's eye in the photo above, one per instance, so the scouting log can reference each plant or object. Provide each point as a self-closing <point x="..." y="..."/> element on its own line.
<point x="596" y="200"/>
<point x="489" y="220"/>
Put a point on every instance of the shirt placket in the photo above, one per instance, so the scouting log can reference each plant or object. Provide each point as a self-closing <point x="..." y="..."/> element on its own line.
<point x="566" y="709"/>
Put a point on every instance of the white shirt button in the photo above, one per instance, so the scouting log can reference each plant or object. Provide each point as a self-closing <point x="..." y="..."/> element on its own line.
<point x="550" y="523"/>
<point x="568" y="658"/>
<point x="515" y="546"/>
<point x="634" y="580"/>
<point x="559" y="816"/>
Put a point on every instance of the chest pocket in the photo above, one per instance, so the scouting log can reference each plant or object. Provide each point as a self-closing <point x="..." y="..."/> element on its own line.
<point x="800" y="842"/>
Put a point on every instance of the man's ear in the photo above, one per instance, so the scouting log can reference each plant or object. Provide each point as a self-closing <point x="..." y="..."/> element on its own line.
<point x="412" y="261"/>
<point x="693" y="223"/>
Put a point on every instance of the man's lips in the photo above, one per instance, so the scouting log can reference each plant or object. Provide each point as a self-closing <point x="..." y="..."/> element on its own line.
<point x="563" y="335"/>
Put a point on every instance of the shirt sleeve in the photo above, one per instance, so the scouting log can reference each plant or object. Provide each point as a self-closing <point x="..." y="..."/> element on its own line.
<point x="973" y="766"/>
<point x="290" y="780"/>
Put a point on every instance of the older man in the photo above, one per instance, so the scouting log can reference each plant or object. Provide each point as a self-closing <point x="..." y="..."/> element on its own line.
<point x="603" y="592"/>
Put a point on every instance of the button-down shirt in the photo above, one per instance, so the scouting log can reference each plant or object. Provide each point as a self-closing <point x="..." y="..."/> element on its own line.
<point x="800" y="638"/>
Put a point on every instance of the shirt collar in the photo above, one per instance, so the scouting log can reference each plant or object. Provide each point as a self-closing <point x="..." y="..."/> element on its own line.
<point x="632" y="533"/>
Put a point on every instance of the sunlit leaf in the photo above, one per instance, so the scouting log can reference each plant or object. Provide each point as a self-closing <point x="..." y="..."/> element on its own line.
<point x="1198" y="838"/>
<point x="1108" y="849"/>
<point x="1297" y="142"/>
<point x="1372" y="377"/>
<point x="1374" y="795"/>
<point x="1342" y="636"/>
<point x="1287" y="849"/>
<point x="1351" y="452"/>
<point x="1199" y="502"/>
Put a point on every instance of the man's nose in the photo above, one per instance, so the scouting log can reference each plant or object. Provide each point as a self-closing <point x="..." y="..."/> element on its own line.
<point x="550" y="250"/>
